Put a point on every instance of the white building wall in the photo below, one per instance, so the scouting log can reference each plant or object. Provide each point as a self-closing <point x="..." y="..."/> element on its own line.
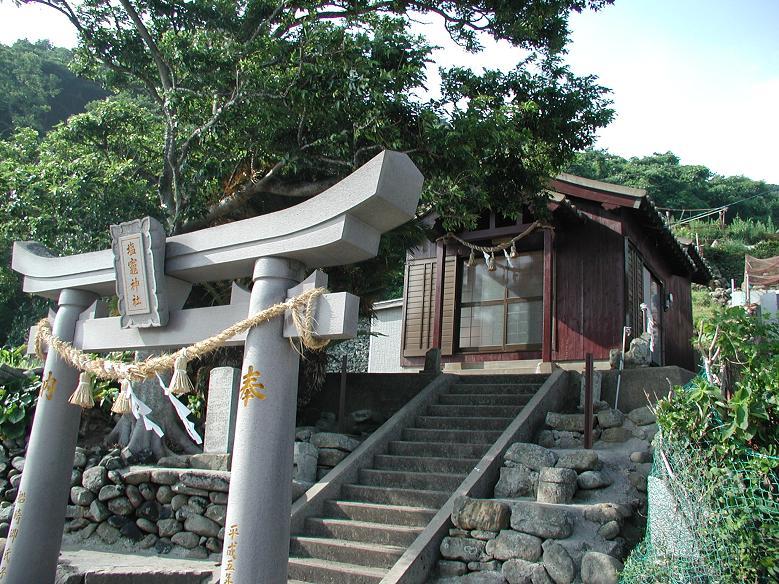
<point x="386" y="326"/>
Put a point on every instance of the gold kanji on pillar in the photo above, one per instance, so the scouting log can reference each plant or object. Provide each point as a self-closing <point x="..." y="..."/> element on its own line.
<point x="251" y="386"/>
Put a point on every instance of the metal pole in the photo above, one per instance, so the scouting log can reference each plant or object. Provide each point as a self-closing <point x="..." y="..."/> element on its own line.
<point x="256" y="543"/>
<point x="35" y="533"/>
<point x="588" y="414"/>
<point x="342" y="398"/>
<point x="625" y="332"/>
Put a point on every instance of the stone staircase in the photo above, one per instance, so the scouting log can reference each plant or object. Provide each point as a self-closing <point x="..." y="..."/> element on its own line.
<point x="363" y="532"/>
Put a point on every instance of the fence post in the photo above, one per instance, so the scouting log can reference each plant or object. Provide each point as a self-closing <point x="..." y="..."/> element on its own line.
<point x="588" y="414"/>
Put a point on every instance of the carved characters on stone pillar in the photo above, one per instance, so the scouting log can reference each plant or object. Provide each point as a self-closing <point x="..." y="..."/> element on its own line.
<point x="251" y="386"/>
<point x="229" y="570"/>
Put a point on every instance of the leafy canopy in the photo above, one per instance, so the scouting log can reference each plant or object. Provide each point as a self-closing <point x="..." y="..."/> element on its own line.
<point x="266" y="99"/>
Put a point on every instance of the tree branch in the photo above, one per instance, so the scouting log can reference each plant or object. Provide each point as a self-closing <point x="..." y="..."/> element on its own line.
<point x="163" y="69"/>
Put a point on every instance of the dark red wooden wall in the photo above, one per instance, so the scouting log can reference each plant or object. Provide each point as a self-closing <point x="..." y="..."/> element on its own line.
<point x="590" y="285"/>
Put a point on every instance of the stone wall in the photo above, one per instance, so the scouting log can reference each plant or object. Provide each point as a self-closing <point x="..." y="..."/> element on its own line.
<point x="356" y="351"/>
<point x="177" y="507"/>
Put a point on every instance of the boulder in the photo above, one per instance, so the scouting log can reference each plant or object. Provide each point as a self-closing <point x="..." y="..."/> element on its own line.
<point x="134" y="494"/>
<point x="482" y="514"/>
<point x="462" y="548"/>
<point x="330" y="457"/>
<point x="120" y="506"/>
<point x="578" y="460"/>
<point x="605" y="512"/>
<point x="642" y="416"/>
<point x="592" y="479"/>
<point x="565" y="422"/>
<point x="532" y="456"/>
<point x="334" y="440"/>
<point x="81" y="496"/>
<point x="558" y="563"/>
<point x="618" y="434"/>
<point x="610" y="418"/>
<point x="519" y="481"/>
<point x="304" y="462"/>
<point x="485" y="577"/>
<point x="186" y="539"/>
<point x="522" y="572"/>
<point x="98" y="511"/>
<point x="556" y="485"/>
<point x="541" y="521"/>
<point x="169" y="527"/>
<point x="202" y="526"/>
<point x="598" y="568"/>
<point x="514" y="544"/>
<point x="447" y="568"/>
<point x="109" y="492"/>
<point x="94" y="478"/>
<point x="609" y="530"/>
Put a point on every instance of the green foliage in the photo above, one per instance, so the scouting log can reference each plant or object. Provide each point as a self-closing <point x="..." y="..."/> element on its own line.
<point x="36" y="88"/>
<point x="221" y="111"/>
<point x="18" y="395"/>
<point x="730" y="415"/>
<point x="678" y="186"/>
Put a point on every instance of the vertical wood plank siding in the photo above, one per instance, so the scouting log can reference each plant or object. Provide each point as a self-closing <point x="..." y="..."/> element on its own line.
<point x="590" y="303"/>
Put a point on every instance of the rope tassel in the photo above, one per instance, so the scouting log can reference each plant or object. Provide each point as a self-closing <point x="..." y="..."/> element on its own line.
<point x="82" y="397"/>
<point x="122" y="403"/>
<point x="180" y="383"/>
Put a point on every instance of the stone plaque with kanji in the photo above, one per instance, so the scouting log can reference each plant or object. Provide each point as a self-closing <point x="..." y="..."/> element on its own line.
<point x="139" y="262"/>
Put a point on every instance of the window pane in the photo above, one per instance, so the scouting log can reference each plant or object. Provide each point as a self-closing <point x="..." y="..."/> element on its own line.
<point x="479" y="284"/>
<point x="526" y="277"/>
<point x="524" y="323"/>
<point x="482" y="327"/>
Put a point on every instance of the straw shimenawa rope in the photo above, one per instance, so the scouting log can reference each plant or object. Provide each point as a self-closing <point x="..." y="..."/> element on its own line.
<point x="116" y="370"/>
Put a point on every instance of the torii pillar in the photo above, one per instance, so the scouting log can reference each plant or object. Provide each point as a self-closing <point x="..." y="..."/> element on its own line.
<point x="35" y="534"/>
<point x="343" y="225"/>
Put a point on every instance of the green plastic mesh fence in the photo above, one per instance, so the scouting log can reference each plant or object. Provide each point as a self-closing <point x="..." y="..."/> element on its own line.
<point x="710" y="520"/>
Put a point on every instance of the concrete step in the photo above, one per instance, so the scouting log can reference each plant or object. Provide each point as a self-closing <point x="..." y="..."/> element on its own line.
<point x="462" y="436"/>
<point x="426" y="481"/>
<point x="411" y="497"/>
<point x="509" y="388"/>
<point x="462" y="423"/>
<point x="380" y="513"/>
<point x="536" y="378"/>
<point x="474" y="410"/>
<point x="484" y="399"/>
<point x="362" y="531"/>
<point x="454" y="450"/>
<point x="424" y="463"/>
<point x="325" y="572"/>
<point x="344" y="551"/>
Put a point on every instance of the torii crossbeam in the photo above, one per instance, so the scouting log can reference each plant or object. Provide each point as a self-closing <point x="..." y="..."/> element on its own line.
<point x="340" y="226"/>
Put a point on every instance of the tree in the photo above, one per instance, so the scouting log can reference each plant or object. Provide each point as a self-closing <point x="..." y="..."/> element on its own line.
<point x="680" y="186"/>
<point x="36" y="88"/>
<point x="254" y="106"/>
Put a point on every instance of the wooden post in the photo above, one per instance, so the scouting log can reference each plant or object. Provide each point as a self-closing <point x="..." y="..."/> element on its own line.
<point x="548" y="300"/>
<point x="342" y="398"/>
<point x="588" y="414"/>
<point x="438" y="291"/>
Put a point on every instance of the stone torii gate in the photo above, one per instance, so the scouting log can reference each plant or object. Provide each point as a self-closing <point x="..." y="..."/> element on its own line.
<point x="340" y="226"/>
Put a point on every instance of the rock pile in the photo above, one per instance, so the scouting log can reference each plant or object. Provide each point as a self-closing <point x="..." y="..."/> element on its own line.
<point x="494" y="542"/>
<point x="317" y="453"/>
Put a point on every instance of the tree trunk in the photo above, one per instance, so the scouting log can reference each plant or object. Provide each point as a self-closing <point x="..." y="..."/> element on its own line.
<point x="140" y="444"/>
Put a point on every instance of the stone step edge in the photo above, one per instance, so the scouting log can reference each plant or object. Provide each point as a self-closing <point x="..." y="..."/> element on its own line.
<point x="348" y="543"/>
<point x="429" y="458"/>
<point x="416" y="473"/>
<point x="365" y="524"/>
<point x="375" y="488"/>
<point x="385" y="506"/>
<point x="340" y="567"/>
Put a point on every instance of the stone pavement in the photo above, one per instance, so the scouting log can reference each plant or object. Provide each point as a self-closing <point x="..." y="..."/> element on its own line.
<point x="85" y="566"/>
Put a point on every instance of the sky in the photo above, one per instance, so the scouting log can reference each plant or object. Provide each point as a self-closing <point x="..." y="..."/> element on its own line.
<point x="697" y="77"/>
